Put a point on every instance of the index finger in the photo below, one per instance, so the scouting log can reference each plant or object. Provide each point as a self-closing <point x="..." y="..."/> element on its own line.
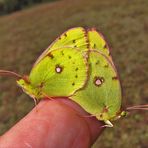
<point x="53" y="123"/>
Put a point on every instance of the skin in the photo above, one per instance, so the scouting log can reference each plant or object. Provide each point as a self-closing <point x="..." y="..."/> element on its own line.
<point x="58" y="123"/>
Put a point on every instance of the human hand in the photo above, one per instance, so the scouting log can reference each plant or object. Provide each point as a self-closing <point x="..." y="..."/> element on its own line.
<point x="57" y="123"/>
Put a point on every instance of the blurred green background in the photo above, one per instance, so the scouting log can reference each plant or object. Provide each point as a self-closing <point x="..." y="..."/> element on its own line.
<point x="25" y="34"/>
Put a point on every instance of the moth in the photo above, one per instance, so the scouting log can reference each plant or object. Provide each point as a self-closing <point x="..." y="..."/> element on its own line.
<point x="78" y="65"/>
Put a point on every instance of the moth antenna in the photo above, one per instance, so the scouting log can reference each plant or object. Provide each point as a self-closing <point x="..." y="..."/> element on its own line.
<point x="138" y="107"/>
<point x="144" y="105"/>
<point x="10" y="73"/>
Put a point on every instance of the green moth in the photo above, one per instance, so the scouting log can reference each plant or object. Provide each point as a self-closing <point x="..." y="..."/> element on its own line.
<point x="78" y="65"/>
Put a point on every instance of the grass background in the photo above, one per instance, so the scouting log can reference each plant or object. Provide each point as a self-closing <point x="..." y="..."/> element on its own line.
<point x="25" y="34"/>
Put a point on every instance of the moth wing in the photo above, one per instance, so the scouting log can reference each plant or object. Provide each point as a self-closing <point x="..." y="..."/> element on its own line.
<point x="60" y="73"/>
<point x="102" y="94"/>
<point x="75" y="37"/>
<point x="98" y="42"/>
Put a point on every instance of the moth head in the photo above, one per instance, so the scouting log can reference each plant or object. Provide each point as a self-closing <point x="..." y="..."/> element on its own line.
<point x="121" y="114"/>
<point x="124" y="114"/>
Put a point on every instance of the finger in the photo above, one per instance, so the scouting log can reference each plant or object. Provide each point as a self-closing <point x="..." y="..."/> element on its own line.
<point x="53" y="123"/>
<point x="94" y="125"/>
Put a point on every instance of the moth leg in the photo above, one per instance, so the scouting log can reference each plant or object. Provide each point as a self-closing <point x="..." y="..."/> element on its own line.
<point x="108" y="124"/>
<point x="47" y="97"/>
<point x="88" y="116"/>
<point x="85" y="116"/>
<point x="35" y="102"/>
